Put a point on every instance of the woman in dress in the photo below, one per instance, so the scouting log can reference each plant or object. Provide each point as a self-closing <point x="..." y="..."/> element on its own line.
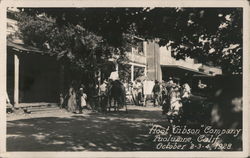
<point x="72" y="103"/>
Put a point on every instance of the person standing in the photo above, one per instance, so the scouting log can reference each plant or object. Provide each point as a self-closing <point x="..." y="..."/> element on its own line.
<point x="175" y="101"/>
<point x="72" y="103"/>
<point x="186" y="90"/>
<point x="82" y="98"/>
<point x="137" y="91"/>
<point x="168" y="90"/>
<point x="163" y="92"/>
<point x="103" y="87"/>
<point x="61" y="100"/>
<point x="104" y="95"/>
<point x="156" y="92"/>
<point x="140" y="92"/>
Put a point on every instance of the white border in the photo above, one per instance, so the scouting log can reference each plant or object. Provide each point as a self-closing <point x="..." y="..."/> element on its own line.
<point x="126" y="3"/>
<point x="3" y="63"/>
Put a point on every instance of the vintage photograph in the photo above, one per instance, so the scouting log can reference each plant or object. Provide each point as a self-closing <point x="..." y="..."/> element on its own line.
<point x="124" y="79"/>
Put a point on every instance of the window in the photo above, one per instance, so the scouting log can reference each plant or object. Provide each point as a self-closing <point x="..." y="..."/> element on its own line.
<point x="140" y="48"/>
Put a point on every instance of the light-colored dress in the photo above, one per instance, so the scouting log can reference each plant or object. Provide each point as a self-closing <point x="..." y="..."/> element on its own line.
<point x="175" y="102"/>
<point x="72" y="104"/>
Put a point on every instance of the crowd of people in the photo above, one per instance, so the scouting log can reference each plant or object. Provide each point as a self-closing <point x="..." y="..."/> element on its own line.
<point x="169" y="95"/>
<point x="96" y="97"/>
<point x="75" y="98"/>
<point x="174" y="95"/>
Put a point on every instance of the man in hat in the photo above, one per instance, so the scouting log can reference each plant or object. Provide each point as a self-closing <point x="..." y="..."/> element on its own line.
<point x="156" y="92"/>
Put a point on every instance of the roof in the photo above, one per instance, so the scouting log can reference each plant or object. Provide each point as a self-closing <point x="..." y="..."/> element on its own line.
<point x="184" y="68"/>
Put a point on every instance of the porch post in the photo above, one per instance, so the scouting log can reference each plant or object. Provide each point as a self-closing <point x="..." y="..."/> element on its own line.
<point x="16" y="80"/>
<point x="132" y="73"/>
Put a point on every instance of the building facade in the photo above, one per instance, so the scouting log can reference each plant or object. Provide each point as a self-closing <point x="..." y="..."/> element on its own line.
<point x="32" y="76"/>
<point x="160" y="65"/>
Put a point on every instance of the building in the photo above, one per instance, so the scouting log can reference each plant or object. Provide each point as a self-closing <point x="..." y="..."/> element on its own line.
<point x="32" y="76"/>
<point x="171" y="67"/>
<point x="138" y="60"/>
<point x="158" y="64"/>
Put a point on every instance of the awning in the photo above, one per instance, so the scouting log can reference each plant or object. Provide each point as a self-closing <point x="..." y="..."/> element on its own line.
<point x="23" y="47"/>
<point x="184" y="68"/>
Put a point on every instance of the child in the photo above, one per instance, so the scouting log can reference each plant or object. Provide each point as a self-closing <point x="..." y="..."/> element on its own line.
<point x="83" y="97"/>
<point x="61" y="100"/>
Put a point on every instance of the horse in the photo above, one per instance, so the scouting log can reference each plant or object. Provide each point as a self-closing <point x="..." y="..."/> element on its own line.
<point x="117" y="94"/>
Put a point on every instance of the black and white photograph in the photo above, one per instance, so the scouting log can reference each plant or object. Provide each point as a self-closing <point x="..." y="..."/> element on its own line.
<point x="125" y="79"/>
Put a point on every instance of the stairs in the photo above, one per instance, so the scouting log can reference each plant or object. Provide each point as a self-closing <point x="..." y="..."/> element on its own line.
<point x="43" y="109"/>
<point x="34" y="108"/>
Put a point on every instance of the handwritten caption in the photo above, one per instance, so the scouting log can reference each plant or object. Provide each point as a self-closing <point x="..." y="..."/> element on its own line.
<point x="177" y="137"/>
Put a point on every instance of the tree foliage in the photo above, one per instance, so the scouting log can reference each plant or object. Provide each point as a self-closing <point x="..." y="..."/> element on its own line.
<point x="211" y="35"/>
<point x="77" y="48"/>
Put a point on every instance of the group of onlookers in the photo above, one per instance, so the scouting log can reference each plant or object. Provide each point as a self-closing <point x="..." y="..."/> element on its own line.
<point x="174" y="95"/>
<point x="168" y="94"/>
<point x="75" y="99"/>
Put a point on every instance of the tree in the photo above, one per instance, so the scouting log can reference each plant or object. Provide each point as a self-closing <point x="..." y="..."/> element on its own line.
<point x="211" y="35"/>
<point x="82" y="51"/>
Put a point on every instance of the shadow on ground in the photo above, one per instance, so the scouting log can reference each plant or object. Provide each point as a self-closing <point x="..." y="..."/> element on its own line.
<point x="93" y="132"/>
